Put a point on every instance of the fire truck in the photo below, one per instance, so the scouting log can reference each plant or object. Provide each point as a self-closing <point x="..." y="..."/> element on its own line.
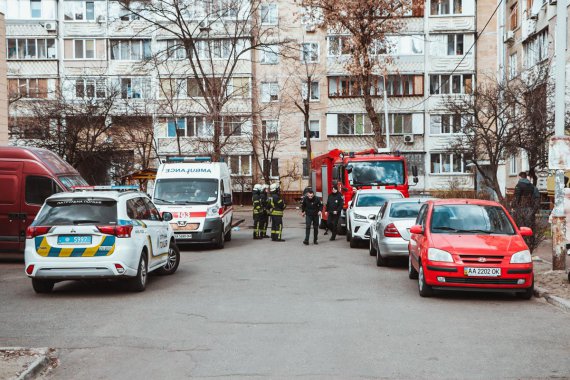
<point x="351" y="171"/>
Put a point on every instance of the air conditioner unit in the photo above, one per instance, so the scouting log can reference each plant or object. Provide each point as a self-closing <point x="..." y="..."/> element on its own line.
<point x="409" y="139"/>
<point x="204" y="25"/>
<point x="303" y="143"/>
<point x="510" y="36"/>
<point x="310" y="28"/>
<point x="50" y="26"/>
<point x="533" y="16"/>
<point x="101" y="19"/>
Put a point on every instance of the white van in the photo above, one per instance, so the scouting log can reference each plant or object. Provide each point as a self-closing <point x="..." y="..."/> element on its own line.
<point x="198" y="194"/>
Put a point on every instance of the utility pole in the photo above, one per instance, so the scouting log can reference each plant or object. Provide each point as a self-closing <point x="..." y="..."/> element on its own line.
<point x="558" y="217"/>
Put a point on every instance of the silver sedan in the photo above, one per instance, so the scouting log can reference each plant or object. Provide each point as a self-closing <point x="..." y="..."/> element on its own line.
<point x="390" y="231"/>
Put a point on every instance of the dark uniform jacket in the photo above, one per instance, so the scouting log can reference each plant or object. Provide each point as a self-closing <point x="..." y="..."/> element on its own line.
<point x="335" y="202"/>
<point x="257" y="204"/>
<point x="276" y="205"/>
<point x="311" y="206"/>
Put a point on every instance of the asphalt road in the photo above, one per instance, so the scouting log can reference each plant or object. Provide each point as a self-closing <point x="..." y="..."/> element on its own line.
<point x="259" y="309"/>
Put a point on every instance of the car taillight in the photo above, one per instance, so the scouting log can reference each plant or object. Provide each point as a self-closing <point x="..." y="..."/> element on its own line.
<point x="391" y="231"/>
<point x="30" y="269"/>
<point x="118" y="231"/>
<point x="119" y="268"/>
<point x="32" y="232"/>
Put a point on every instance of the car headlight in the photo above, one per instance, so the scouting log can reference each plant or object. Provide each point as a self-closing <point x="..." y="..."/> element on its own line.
<point x="435" y="254"/>
<point x="358" y="216"/>
<point x="522" y="257"/>
<point x="212" y="211"/>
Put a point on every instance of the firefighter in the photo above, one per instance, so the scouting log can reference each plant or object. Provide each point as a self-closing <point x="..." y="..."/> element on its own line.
<point x="264" y="217"/>
<point x="311" y="209"/>
<point x="276" y="208"/>
<point x="257" y="211"/>
<point x="335" y="203"/>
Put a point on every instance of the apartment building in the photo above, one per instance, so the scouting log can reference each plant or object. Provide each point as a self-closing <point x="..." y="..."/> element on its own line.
<point x="3" y="86"/>
<point x="86" y="48"/>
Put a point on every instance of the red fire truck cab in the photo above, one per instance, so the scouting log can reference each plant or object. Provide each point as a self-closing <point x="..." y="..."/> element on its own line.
<point x="352" y="171"/>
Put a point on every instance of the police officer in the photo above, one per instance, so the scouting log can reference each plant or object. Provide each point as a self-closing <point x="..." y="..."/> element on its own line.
<point x="257" y="211"/>
<point x="311" y="209"/>
<point x="276" y="208"/>
<point x="335" y="203"/>
<point x="264" y="216"/>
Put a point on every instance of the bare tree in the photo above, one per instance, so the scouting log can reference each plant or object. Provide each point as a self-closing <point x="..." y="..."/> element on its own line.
<point x="215" y="41"/>
<point x="368" y="22"/>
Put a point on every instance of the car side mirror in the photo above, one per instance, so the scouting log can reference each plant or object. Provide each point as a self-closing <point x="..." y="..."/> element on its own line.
<point x="417" y="229"/>
<point x="227" y="200"/>
<point x="166" y="216"/>
<point x="415" y="171"/>
<point x="372" y="216"/>
<point x="525" y="231"/>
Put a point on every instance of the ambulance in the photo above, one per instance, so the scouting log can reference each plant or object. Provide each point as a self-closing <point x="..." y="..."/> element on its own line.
<point x="198" y="194"/>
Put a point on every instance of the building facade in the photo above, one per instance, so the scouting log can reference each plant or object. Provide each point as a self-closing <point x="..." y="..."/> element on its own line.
<point x="3" y="86"/>
<point x="78" y="49"/>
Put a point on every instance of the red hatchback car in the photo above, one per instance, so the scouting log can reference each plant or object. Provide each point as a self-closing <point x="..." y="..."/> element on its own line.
<point x="469" y="244"/>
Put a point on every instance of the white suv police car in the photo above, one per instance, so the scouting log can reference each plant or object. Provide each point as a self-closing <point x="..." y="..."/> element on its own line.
<point x="99" y="232"/>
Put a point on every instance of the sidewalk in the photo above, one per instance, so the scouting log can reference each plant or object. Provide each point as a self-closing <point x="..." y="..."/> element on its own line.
<point x="25" y="363"/>
<point x="548" y="282"/>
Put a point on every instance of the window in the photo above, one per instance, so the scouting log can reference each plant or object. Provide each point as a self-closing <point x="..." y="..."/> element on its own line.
<point x="314" y="129"/>
<point x="271" y="167"/>
<point x="315" y="93"/>
<point x="36" y="8"/>
<point x="232" y="125"/>
<point x="513" y="167"/>
<point x="513" y="66"/>
<point x="339" y="45"/>
<point x="270" y="55"/>
<point x="310" y="52"/>
<point x="79" y="10"/>
<point x="126" y="14"/>
<point x="396" y="85"/>
<point x="175" y="49"/>
<point x="238" y="87"/>
<point x="130" y="50"/>
<point x="270" y="129"/>
<point x="84" y="49"/>
<point x="446" y="124"/>
<point x="239" y="164"/>
<point x="305" y="165"/>
<point x="174" y="88"/>
<point x="514" y="16"/>
<point x="136" y="209"/>
<point x="354" y="124"/>
<point x="177" y="127"/>
<point x="455" y="44"/>
<point x="536" y="49"/>
<point x="446" y="7"/>
<point x="221" y="48"/>
<point x="269" y="14"/>
<point x="27" y="88"/>
<point x="451" y="84"/>
<point x="415" y="159"/>
<point x="31" y="48"/>
<point x="90" y="88"/>
<point x="445" y="163"/>
<point x="38" y="189"/>
<point x="153" y="213"/>
<point x="399" y="123"/>
<point x="134" y="88"/>
<point x="269" y="92"/>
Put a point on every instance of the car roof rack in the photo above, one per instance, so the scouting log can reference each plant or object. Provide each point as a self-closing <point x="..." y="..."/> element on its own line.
<point x="106" y="188"/>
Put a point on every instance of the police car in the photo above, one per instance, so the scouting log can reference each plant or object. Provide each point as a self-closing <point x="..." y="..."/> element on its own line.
<point x="99" y="232"/>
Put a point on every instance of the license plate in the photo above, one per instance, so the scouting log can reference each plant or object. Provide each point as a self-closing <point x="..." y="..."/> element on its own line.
<point x="482" y="272"/>
<point x="74" y="239"/>
<point x="183" y="236"/>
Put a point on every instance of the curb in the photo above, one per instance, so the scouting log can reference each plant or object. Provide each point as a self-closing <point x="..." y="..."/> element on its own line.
<point x="561" y="303"/>
<point x="45" y="356"/>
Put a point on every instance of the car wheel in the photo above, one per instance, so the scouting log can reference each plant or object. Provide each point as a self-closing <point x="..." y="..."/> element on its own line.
<point x="381" y="261"/>
<point x="424" y="289"/>
<point x="371" y="248"/>
<point x="528" y="292"/>
<point x="173" y="261"/>
<point x="42" y="286"/>
<point x="412" y="272"/>
<point x="228" y="235"/>
<point x="353" y="243"/>
<point x="348" y="233"/>
<point x="138" y="283"/>
<point x="220" y="240"/>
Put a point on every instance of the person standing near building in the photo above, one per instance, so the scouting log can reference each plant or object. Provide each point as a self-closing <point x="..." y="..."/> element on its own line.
<point x="311" y="209"/>
<point x="526" y="202"/>
<point x="276" y="208"/>
<point x="257" y="211"/>
<point x="335" y="203"/>
<point x="264" y="217"/>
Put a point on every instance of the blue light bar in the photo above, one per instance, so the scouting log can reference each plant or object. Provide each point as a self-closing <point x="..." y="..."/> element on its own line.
<point x="189" y="159"/>
<point x="106" y="187"/>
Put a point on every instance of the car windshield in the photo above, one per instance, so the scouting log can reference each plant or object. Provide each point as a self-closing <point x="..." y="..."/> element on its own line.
<point x="405" y="210"/>
<point x="77" y="211"/>
<point x="186" y="191"/>
<point x="375" y="200"/>
<point x="468" y="218"/>
<point x="72" y="180"/>
<point x="377" y="173"/>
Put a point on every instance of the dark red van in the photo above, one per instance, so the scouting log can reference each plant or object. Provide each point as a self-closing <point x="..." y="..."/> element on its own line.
<point x="27" y="177"/>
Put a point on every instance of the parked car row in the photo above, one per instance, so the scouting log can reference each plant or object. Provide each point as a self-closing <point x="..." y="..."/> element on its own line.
<point x="450" y="244"/>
